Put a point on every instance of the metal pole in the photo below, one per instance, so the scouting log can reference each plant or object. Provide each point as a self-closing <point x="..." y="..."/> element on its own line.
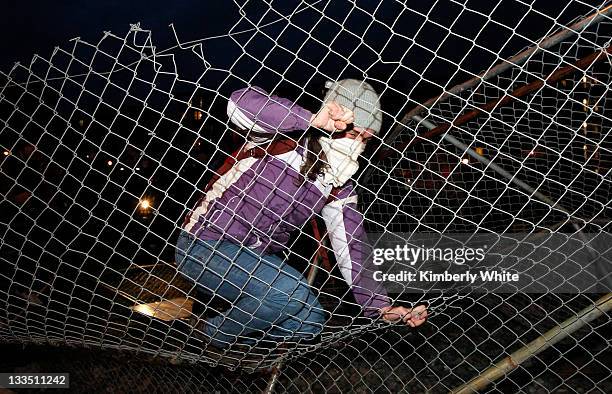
<point x="549" y="338"/>
<point x="526" y="187"/>
<point x="513" y="61"/>
<point x="273" y="379"/>
<point x="463" y="147"/>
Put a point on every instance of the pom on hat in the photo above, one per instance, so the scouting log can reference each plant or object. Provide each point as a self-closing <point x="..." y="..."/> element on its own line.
<point x="361" y="98"/>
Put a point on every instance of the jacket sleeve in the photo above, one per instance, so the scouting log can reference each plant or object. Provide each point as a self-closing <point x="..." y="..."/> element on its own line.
<point x="353" y="253"/>
<point x="252" y="108"/>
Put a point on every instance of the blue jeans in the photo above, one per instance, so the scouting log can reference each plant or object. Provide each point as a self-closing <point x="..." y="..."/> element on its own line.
<point x="268" y="297"/>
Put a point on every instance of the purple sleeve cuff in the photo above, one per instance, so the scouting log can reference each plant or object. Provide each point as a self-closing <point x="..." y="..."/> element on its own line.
<point x="376" y="303"/>
<point x="271" y="113"/>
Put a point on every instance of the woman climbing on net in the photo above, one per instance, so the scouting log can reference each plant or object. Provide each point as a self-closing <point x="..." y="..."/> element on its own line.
<point x="295" y="165"/>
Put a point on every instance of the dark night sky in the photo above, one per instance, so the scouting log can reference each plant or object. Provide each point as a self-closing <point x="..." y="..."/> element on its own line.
<point x="430" y="45"/>
<point x="30" y="27"/>
<point x="36" y="26"/>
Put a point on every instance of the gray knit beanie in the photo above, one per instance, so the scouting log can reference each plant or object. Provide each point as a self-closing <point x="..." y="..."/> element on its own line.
<point x="361" y="98"/>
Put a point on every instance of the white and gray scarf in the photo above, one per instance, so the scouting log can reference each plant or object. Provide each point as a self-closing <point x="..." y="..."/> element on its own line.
<point x="342" y="155"/>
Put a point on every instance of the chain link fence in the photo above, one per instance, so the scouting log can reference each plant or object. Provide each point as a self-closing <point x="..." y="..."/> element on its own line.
<point x="108" y="145"/>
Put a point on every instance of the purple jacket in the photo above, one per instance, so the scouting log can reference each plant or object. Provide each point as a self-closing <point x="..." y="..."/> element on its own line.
<point x="259" y="202"/>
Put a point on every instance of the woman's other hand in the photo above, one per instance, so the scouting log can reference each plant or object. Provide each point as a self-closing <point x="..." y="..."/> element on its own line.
<point x="412" y="317"/>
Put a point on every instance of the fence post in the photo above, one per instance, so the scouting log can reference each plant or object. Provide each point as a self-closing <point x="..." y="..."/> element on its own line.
<point x="549" y="338"/>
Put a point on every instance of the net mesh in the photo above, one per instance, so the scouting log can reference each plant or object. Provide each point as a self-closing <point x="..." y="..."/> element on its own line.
<point x="108" y="145"/>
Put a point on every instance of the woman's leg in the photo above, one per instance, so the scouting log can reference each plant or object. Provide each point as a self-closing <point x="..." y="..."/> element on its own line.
<point x="306" y="324"/>
<point x="267" y="295"/>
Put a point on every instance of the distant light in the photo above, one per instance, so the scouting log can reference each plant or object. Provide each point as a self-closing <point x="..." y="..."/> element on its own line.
<point x="197" y="115"/>
<point x="584" y="124"/>
<point x="6" y="153"/>
<point x="532" y="153"/>
<point x="137" y="168"/>
<point x="145" y="204"/>
<point x="87" y="156"/>
<point x="121" y="169"/>
<point x="585" y="101"/>
<point x="584" y="79"/>
<point x="110" y="162"/>
<point x="465" y="161"/>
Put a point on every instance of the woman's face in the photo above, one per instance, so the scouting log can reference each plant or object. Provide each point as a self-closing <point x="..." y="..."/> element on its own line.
<point x="355" y="133"/>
